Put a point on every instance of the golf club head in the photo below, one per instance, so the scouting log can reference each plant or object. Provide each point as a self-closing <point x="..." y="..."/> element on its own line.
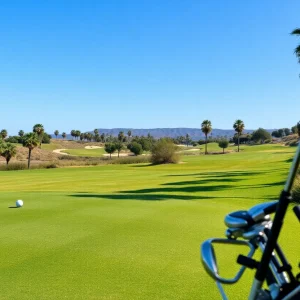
<point x="209" y="260"/>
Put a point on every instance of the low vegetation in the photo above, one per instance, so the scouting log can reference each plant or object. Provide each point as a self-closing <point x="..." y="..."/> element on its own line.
<point x="164" y="152"/>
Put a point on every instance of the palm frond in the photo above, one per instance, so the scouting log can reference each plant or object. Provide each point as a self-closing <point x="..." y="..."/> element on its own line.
<point x="297" y="51"/>
<point x="296" y="31"/>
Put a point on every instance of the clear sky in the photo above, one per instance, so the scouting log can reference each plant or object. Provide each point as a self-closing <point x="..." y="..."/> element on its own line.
<point x="147" y="64"/>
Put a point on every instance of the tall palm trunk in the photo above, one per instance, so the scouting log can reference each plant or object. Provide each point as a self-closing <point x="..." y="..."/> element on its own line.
<point x="238" y="142"/>
<point x="206" y="143"/>
<point x="29" y="156"/>
<point x="223" y="150"/>
<point x="109" y="155"/>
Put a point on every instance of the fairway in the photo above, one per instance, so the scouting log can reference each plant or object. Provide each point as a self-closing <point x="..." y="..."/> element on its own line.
<point x="131" y="231"/>
<point x="85" y="152"/>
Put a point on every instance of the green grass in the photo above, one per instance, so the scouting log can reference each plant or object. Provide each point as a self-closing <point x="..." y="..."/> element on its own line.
<point x="51" y="146"/>
<point x="86" y="152"/>
<point x="131" y="231"/>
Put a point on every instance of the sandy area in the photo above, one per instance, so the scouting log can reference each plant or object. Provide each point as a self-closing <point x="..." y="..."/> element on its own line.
<point x="92" y="147"/>
<point x="192" y="150"/>
<point x="58" y="151"/>
<point x="121" y="154"/>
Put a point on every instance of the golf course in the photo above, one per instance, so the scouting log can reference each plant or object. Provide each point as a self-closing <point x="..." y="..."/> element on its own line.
<point x="132" y="231"/>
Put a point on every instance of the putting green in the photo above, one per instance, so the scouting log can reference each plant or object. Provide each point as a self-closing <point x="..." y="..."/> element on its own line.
<point x="131" y="231"/>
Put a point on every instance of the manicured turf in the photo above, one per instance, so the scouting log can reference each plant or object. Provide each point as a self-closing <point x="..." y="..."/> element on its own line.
<point x="86" y="152"/>
<point x="131" y="231"/>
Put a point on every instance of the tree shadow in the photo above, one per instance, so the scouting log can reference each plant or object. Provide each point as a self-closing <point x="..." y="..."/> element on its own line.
<point x="184" y="189"/>
<point x="153" y="197"/>
<point x="202" y="181"/>
<point x="279" y="183"/>
<point x="187" y="190"/>
<point x="221" y="174"/>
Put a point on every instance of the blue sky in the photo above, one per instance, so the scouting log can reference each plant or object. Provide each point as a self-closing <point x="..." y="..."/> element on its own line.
<point x="147" y="64"/>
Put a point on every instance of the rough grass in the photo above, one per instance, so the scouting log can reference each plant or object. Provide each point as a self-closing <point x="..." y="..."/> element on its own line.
<point x="132" y="231"/>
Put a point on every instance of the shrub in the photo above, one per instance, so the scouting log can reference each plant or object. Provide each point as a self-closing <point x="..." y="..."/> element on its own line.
<point x="46" y="138"/>
<point x="51" y="165"/>
<point x="294" y="144"/>
<point x="13" y="139"/>
<point x="110" y="148"/>
<point x="223" y="144"/>
<point x="146" y="144"/>
<point x="142" y="159"/>
<point x="135" y="148"/>
<point x="164" y="152"/>
<point x="261" y="135"/>
<point x="13" y="166"/>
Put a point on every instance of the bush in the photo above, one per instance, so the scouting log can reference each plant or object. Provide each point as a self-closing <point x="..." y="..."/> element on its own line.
<point x="51" y="165"/>
<point x="164" y="152"/>
<point x="135" y="148"/>
<point x="261" y="135"/>
<point x="46" y="138"/>
<point x="110" y="148"/>
<point x="142" y="159"/>
<point x="294" y="144"/>
<point x="13" y="139"/>
<point x="223" y="144"/>
<point x="13" y="166"/>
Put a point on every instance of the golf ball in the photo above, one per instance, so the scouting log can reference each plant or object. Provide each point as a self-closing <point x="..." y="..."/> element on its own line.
<point x="19" y="203"/>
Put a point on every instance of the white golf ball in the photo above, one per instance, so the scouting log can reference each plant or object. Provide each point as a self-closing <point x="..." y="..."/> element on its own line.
<point x="19" y="203"/>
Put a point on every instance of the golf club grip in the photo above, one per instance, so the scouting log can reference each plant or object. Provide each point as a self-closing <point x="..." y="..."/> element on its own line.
<point x="271" y="209"/>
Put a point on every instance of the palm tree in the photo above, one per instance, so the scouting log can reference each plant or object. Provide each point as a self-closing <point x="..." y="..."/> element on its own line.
<point x="39" y="130"/>
<point x="187" y="139"/>
<point x="77" y="133"/>
<point x="73" y="133"/>
<point x="8" y="150"/>
<point x="121" y="136"/>
<point x="21" y="133"/>
<point x="129" y="133"/>
<point x="96" y="131"/>
<point x="30" y="141"/>
<point x="118" y="147"/>
<point x="297" y="49"/>
<point x="3" y="134"/>
<point x="206" y="129"/>
<point x="239" y="126"/>
<point x="64" y="135"/>
<point x="56" y="132"/>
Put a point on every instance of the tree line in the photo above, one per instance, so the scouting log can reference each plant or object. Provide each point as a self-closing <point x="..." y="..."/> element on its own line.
<point x="29" y="140"/>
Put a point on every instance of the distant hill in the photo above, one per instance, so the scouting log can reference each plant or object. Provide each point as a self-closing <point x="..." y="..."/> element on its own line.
<point x="195" y="133"/>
